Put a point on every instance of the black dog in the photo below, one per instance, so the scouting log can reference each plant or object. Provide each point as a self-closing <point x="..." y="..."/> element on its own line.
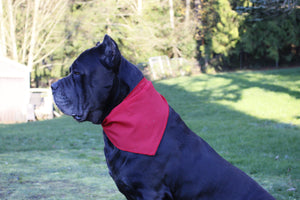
<point x="151" y="153"/>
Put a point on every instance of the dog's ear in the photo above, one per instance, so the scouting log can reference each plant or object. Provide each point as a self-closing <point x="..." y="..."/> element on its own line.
<point x="110" y="56"/>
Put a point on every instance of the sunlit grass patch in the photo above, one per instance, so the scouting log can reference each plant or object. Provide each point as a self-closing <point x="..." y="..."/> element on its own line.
<point x="250" y="118"/>
<point x="268" y="105"/>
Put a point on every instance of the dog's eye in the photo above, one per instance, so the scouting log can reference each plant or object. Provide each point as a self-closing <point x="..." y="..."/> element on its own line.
<point x="76" y="73"/>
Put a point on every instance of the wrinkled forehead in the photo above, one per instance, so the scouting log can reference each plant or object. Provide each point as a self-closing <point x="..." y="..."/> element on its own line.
<point x="89" y="58"/>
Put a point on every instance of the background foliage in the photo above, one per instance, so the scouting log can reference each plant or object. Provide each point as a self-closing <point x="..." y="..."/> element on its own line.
<point x="218" y="34"/>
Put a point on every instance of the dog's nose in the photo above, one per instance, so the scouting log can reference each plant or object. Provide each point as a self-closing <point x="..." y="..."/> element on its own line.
<point x="54" y="85"/>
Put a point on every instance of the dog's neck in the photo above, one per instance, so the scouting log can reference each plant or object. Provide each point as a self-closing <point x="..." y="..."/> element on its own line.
<point x="129" y="74"/>
<point x="127" y="79"/>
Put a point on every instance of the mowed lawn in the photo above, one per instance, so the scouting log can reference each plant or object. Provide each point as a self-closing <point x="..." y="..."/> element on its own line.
<point x="251" y="118"/>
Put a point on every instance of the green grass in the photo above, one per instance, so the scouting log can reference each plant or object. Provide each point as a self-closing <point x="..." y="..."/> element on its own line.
<point x="55" y="159"/>
<point x="251" y="118"/>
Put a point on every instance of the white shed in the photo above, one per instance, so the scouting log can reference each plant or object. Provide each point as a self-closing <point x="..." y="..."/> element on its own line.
<point x="14" y="91"/>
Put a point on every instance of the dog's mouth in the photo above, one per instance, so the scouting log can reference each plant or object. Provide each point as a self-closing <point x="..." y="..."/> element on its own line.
<point x="77" y="117"/>
<point x="80" y="116"/>
<point x="93" y="116"/>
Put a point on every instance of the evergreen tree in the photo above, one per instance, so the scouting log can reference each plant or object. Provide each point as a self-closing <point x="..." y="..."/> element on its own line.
<point x="218" y="32"/>
<point x="268" y="35"/>
<point x="225" y="34"/>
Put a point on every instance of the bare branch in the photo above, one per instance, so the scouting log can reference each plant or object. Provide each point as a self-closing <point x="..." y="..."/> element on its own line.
<point x="51" y="28"/>
<point x="48" y="53"/>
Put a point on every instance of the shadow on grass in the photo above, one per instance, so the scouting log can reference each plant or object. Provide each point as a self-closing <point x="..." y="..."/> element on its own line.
<point x="264" y="84"/>
<point x="265" y="149"/>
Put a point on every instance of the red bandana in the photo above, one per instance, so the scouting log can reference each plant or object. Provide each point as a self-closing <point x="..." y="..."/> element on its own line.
<point x="138" y="123"/>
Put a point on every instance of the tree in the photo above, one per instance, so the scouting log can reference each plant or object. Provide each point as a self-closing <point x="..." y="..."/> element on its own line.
<point x="157" y="30"/>
<point x="267" y="9"/>
<point x="225" y="34"/>
<point x="218" y="33"/>
<point x="270" y="31"/>
<point x="28" y="29"/>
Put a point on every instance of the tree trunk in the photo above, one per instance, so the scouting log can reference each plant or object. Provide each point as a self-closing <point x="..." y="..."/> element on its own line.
<point x="2" y="32"/>
<point x="140" y="6"/>
<point x="171" y="14"/>
<point x="34" y="34"/>
<point x="26" y="33"/>
<point x="199" y="36"/>
<point x="187" y="12"/>
<point x="12" y="31"/>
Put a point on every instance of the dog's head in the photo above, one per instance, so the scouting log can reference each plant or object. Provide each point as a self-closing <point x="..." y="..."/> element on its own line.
<point x="86" y="91"/>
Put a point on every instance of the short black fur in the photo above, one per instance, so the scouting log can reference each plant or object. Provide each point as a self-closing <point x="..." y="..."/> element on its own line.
<point x="185" y="167"/>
